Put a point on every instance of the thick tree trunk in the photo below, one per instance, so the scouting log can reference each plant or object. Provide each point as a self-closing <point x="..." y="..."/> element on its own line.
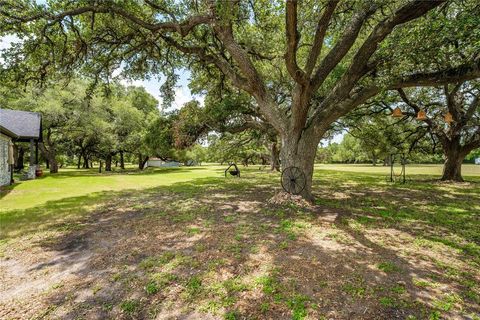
<point x="274" y="157"/>
<point x="85" y="161"/>
<point x="47" y="164"/>
<point x="51" y="156"/>
<point x="108" y="162"/>
<point x="79" y="161"/>
<point x="122" y="160"/>
<point x="53" y="165"/>
<point x="144" y="162"/>
<point x="374" y="159"/>
<point x="452" y="168"/>
<point x="301" y="153"/>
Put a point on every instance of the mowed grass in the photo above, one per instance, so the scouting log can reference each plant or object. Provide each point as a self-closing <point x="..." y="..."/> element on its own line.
<point x="468" y="170"/>
<point x="189" y="242"/>
<point x="76" y="183"/>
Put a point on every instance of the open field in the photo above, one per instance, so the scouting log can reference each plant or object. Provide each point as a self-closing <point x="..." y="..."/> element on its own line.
<point x="468" y="170"/>
<point x="188" y="243"/>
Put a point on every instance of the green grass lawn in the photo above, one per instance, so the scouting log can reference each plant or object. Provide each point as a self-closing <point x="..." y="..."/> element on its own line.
<point x="189" y="242"/>
<point x="468" y="170"/>
<point x="77" y="183"/>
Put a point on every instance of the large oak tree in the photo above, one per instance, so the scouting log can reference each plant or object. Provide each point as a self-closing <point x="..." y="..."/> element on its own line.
<point x="303" y="63"/>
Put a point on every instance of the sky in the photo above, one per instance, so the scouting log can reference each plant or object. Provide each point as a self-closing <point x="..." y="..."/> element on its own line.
<point x="182" y="92"/>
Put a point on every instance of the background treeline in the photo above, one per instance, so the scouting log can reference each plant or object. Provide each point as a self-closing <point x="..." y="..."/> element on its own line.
<point x="111" y="124"/>
<point x="107" y="124"/>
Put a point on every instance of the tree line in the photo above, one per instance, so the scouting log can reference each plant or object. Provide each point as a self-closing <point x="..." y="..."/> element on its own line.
<point x="301" y="65"/>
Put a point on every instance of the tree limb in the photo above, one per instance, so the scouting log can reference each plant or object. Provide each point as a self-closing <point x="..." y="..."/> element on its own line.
<point x="320" y="32"/>
<point x="292" y="43"/>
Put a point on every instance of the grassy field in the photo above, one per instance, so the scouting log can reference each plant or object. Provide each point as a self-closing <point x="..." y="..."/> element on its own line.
<point x="187" y="242"/>
<point x="434" y="170"/>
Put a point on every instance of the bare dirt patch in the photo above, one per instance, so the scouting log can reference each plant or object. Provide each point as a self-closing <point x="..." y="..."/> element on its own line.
<point x="214" y="254"/>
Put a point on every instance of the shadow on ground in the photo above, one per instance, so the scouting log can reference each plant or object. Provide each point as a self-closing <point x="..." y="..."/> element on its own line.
<point x="214" y="248"/>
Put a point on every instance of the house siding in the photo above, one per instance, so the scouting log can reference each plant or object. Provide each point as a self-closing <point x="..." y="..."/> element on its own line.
<point x="4" y="167"/>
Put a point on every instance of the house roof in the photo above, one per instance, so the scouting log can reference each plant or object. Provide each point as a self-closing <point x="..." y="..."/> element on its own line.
<point x="21" y="125"/>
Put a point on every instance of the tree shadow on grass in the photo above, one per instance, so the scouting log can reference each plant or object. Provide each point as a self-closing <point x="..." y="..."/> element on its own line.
<point x="213" y="246"/>
<point x="5" y="190"/>
<point x="62" y="174"/>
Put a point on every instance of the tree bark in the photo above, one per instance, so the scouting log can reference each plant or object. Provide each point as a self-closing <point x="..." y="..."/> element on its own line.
<point x="300" y="152"/>
<point x="108" y="162"/>
<point x="85" y="161"/>
<point x="53" y="165"/>
<point x="50" y="155"/>
<point x="274" y="157"/>
<point x="374" y="159"/>
<point x="122" y="160"/>
<point x="452" y="168"/>
<point x="144" y="162"/>
<point x="79" y="161"/>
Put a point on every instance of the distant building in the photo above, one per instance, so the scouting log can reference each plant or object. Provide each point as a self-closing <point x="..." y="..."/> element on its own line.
<point x="477" y="160"/>
<point x="18" y="126"/>
<point x="157" y="162"/>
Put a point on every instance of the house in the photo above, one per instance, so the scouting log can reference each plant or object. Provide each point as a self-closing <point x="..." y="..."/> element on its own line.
<point x="18" y="126"/>
<point x="157" y="162"/>
<point x="6" y="156"/>
<point x="477" y="160"/>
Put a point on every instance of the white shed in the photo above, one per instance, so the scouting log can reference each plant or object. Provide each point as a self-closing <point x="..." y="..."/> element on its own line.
<point x="159" y="163"/>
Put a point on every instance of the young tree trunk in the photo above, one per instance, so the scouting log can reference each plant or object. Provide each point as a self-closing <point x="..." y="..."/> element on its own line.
<point x="452" y="168"/>
<point x="300" y="152"/>
<point x="108" y="162"/>
<point x="274" y="157"/>
<point x="374" y="159"/>
<point x="122" y="160"/>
